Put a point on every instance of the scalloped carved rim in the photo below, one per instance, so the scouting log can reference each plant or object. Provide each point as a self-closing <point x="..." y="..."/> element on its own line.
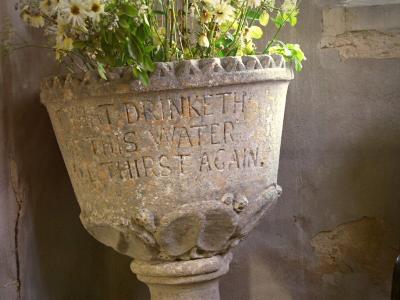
<point x="169" y="76"/>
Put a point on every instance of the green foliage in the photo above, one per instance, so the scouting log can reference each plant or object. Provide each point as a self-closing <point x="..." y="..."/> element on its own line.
<point x="102" y="34"/>
<point x="291" y="52"/>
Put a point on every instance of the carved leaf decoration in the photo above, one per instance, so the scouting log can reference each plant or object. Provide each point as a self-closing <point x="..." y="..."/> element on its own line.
<point x="180" y="234"/>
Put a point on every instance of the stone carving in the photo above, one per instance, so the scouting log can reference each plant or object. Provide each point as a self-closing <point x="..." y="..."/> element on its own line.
<point x="145" y="218"/>
<point x="193" y="231"/>
<point x="240" y="203"/>
<point x="174" y="174"/>
<point x="168" y="75"/>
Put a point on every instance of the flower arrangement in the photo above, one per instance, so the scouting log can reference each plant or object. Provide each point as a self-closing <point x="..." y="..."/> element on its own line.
<point x="101" y="34"/>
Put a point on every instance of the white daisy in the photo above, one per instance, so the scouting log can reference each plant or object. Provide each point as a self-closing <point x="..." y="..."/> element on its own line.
<point x="75" y="12"/>
<point x="96" y="9"/>
<point x="223" y="12"/>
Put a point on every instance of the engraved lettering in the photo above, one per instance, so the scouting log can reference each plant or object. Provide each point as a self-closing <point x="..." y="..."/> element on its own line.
<point x="206" y="105"/>
<point x="228" y="132"/>
<point x="250" y="158"/>
<point x="132" y="113"/>
<point x="104" y="113"/>
<point x="182" y="159"/>
<point x="161" y="135"/>
<point x="184" y="138"/>
<point x="214" y="134"/>
<point x="234" y="162"/>
<point x="148" y="164"/>
<point x="239" y="103"/>
<point x="199" y="134"/>
<point x="150" y="134"/>
<point x="175" y="108"/>
<point x="165" y="168"/>
<point x="153" y="112"/>
<point x="225" y="98"/>
<point x="219" y="161"/>
<point x="131" y="145"/>
<point x="205" y="162"/>
<point x="193" y="111"/>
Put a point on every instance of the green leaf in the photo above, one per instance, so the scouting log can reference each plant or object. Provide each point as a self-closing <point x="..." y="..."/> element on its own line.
<point x="101" y="71"/>
<point x="79" y="45"/>
<point x="293" y="20"/>
<point x="129" y="10"/>
<point x="148" y="64"/>
<point x="279" y="20"/>
<point x="264" y="18"/>
<point x="123" y="22"/>
<point x="146" y="20"/>
<point x="159" y="12"/>
<point x="130" y="50"/>
<point x="291" y="52"/>
<point x="256" y="32"/>
<point x="142" y="33"/>
<point x="144" y="77"/>
<point x="253" y="14"/>
<point x="298" y="65"/>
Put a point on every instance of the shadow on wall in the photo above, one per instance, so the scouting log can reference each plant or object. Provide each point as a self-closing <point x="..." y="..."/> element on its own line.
<point x="356" y="257"/>
<point x="58" y="259"/>
<point x="296" y="253"/>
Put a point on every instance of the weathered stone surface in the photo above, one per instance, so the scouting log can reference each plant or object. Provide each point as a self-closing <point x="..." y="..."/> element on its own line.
<point x="167" y="172"/>
<point x="194" y="280"/>
<point x="357" y="247"/>
<point x="362" y="32"/>
<point x="339" y="162"/>
<point x="180" y="234"/>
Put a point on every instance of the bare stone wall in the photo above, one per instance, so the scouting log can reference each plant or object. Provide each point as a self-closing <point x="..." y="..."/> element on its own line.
<point x="362" y="31"/>
<point x="333" y="235"/>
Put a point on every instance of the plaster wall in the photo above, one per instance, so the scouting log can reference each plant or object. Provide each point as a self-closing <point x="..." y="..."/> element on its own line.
<point x="334" y="234"/>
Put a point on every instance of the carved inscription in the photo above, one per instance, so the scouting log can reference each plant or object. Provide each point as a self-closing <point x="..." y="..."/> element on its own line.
<point x="164" y="136"/>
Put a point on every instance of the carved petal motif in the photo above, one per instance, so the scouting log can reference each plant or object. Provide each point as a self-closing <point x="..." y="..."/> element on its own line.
<point x="257" y="209"/>
<point x="206" y="225"/>
<point x="219" y="225"/>
<point x="179" y="233"/>
<point x="133" y="243"/>
<point x="195" y="230"/>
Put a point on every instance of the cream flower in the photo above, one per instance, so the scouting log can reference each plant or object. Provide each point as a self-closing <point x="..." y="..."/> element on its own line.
<point x="68" y="44"/>
<point x="96" y="9"/>
<point x="211" y="3"/>
<point x="61" y="30"/>
<point x="49" y="7"/>
<point x="62" y="46"/>
<point x="254" y="3"/>
<point x="203" y="41"/>
<point x="289" y="5"/>
<point x="25" y="14"/>
<point x="26" y="17"/>
<point x="223" y="12"/>
<point x="46" y="7"/>
<point x="56" y="5"/>
<point x="36" y="21"/>
<point x="75" y="12"/>
<point x="206" y="16"/>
